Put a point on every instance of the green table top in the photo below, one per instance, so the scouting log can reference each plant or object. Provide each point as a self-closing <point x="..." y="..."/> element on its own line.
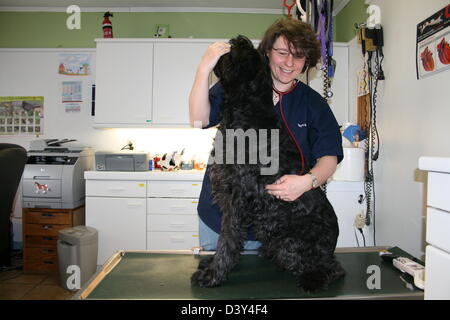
<point x="167" y="276"/>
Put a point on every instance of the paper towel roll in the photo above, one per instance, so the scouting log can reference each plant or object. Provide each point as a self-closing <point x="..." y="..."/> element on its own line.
<point x="352" y="167"/>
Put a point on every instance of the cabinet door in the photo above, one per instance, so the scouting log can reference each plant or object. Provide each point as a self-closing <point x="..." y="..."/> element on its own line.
<point x="124" y="83"/>
<point x="173" y="74"/>
<point x="121" y="224"/>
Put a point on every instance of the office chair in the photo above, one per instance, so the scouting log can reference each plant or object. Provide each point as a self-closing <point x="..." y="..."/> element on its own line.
<point x="12" y="163"/>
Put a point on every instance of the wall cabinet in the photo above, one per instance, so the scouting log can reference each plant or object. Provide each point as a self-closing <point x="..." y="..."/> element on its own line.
<point x="145" y="82"/>
<point x="124" y="78"/>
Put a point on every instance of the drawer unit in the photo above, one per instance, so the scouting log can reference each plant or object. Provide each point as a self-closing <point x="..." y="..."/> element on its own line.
<point x="438" y="227"/>
<point x="171" y="206"/>
<point x="40" y="235"/>
<point x="172" y="240"/>
<point x="115" y="188"/>
<point x="174" y="189"/>
<point x="437" y="275"/>
<point x="438" y="190"/>
<point x="172" y="222"/>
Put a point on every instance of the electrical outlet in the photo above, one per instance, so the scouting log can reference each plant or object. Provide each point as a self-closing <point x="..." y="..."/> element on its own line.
<point x="360" y="220"/>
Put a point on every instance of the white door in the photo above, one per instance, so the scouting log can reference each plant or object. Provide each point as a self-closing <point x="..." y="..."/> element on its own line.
<point x="121" y="224"/>
<point x="173" y="75"/>
<point x="124" y="83"/>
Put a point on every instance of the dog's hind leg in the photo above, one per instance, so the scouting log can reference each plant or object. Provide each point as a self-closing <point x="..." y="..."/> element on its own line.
<point x="213" y="271"/>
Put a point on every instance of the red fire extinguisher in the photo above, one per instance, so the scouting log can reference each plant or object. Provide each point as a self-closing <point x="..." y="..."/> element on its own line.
<point x="107" y="25"/>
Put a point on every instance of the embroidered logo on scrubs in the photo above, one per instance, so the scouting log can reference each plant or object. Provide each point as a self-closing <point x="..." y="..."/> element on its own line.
<point x="301" y="125"/>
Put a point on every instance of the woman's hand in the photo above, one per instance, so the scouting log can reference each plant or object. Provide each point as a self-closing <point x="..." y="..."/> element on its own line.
<point x="212" y="55"/>
<point x="290" y="187"/>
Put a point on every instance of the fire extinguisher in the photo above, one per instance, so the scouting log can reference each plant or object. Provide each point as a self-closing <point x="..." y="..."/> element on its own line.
<point x="107" y="25"/>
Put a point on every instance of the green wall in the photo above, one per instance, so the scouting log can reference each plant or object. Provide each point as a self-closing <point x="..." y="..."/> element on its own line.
<point x="48" y="29"/>
<point x="353" y="12"/>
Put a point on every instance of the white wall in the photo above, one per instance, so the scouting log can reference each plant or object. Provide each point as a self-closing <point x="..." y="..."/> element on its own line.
<point x="413" y="120"/>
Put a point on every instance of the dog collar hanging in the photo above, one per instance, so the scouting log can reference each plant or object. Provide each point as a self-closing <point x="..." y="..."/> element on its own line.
<point x="280" y="95"/>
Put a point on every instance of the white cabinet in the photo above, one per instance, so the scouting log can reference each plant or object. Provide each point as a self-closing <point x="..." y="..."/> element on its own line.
<point x="172" y="221"/>
<point x="173" y="74"/>
<point x="437" y="255"/>
<point x="143" y="210"/>
<point x="118" y="211"/>
<point x="124" y="78"/>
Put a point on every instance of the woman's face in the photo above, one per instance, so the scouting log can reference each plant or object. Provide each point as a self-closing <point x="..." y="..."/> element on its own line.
<point x="284" y="64"/>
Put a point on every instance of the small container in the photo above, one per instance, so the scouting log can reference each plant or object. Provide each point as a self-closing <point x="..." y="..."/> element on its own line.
<point x="150" y="165"/>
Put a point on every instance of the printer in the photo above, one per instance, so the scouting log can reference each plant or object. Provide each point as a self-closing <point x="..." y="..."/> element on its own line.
<point x="121" y="161"/>
<point x="54" y="174"/>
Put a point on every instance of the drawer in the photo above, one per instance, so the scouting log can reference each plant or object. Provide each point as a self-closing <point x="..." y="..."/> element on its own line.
<point x="34" y="229"/>
<point x="174" y="189"/>
<point x="33" y="254"/>
<point x="171" y="206"/>
<point x="438" y="226"/>
<point x="48" y="217"/>
<point x="41" y="265"/>
<point x="438" y="190"/>
<point x="172" y="240"/>
<point x="437" y="277"/>
<point x="172" y="222"/>
<point x="113" y="188"/>
<point x="40" y="241"/>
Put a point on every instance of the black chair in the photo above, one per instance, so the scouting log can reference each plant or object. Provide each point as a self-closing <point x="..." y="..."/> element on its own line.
<point x="12" y="163"/>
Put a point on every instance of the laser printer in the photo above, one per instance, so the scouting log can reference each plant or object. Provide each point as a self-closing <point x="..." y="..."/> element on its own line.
<point x="54" y="174"/>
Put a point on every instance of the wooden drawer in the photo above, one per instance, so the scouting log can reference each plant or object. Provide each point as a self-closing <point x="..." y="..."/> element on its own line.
<point x="171" y="206"/>
<point x="41" y="265"/>
<point x="172" y="222"/>
<point x="172" y="240"/>
<point x="438" y="190"/>
<point x="34" y="229"/>
<point x="38" y="254"/>
<point x="438" y="227"/>
<point x="174" y="189"/>
<point x="40" y="241"/>
<point x="112" y="188"/>
<point x="47" y="217"/>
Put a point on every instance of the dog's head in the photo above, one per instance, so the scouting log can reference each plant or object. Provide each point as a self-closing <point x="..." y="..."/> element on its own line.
<point x="242" y="65"/>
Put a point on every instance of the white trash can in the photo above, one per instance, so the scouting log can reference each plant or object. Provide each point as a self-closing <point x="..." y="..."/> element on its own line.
<point x="77" y="256"/>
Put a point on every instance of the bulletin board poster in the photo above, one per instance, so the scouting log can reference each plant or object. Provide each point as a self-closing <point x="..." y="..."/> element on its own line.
<point x="433" y="44"/>
<point x="21" y="116"/>
<point x="74" y="64"/>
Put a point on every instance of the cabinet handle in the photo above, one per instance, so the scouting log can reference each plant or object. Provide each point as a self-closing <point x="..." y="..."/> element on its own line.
<point x="177" y="208"/>
<point x="116" y="189"/>
<point x="46" y="227"/>
<point x="177" y="224"/>
<point x="47" y="215"/>
<point x="134" y="205"/>
<point x="176" y="239"/>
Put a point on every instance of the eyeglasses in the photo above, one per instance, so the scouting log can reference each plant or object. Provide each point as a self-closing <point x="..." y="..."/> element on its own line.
<point x="283" y="53"/>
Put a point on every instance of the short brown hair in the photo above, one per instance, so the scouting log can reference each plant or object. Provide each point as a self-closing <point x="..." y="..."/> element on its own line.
<point x="297" y="33"/>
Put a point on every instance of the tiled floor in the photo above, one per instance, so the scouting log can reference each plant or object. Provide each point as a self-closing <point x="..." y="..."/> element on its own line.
<point x="15" y="285"/>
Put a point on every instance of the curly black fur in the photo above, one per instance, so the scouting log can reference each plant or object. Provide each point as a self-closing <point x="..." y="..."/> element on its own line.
<point x="299" y="236"/>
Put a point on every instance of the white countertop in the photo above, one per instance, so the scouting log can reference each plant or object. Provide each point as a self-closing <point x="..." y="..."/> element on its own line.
<point x="439" y="164"/>
<point x="186" y="175"/>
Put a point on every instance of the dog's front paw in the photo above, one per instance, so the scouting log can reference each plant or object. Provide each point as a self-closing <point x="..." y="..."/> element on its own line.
<point x="206" y="277"/>
<point x="313" y="281"/>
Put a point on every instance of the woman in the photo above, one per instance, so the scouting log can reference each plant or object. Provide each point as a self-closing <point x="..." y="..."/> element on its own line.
<point x="291" y="48"/>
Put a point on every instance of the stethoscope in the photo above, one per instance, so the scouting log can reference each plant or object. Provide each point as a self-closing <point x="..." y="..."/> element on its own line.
<point x="281" y="94"/>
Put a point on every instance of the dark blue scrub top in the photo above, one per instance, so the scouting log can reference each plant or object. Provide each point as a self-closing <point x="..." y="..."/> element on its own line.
<point x="311" y="121"/>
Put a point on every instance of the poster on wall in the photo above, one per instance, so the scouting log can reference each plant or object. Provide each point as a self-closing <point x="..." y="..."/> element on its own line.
<point x="72" y="96"/>
<point x="21" y="115"/>
<point x="74" y="64"/>
<point x="433" y="44"/>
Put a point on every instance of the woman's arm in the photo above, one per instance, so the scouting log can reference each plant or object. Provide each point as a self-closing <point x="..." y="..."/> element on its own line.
<point x="290" y="187"/>
<point x="199" y="106"/>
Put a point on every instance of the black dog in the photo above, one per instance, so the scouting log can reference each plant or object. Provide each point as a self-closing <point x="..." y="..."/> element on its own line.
<point x="299" y="236"/>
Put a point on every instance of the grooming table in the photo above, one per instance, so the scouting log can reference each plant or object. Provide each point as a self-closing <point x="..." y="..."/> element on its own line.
<point x="166" y="275"/>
